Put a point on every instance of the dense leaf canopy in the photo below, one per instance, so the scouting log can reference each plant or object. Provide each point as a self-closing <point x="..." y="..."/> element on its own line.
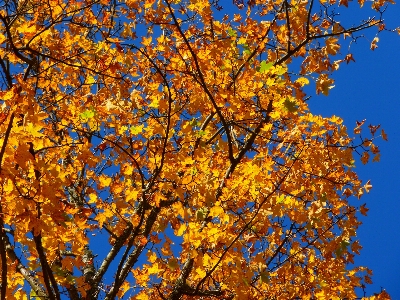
<point x="165" y="150"/>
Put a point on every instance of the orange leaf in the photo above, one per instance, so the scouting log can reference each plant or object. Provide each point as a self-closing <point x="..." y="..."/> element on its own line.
<point x="384" y="136"/>
<point x="364" y="209"/>
<point x="365" y="157"/>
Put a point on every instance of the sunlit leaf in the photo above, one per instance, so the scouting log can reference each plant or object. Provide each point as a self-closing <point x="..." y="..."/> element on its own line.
<point x="87" y="114"/>
<point x="264" y="66"/>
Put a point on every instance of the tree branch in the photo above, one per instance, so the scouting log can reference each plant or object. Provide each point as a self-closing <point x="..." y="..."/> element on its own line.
<point x="203" y="83"/>
<point x="24" y="271"/>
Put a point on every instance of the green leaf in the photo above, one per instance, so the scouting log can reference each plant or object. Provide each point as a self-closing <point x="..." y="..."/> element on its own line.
<point x="173" y="263"/>
<point x="87" y="114"/>
<point x="193" y="171"/>
<point x="70" y="279"/>
<point x="342" y="247"/>
<point x="246" y="282"/>
<point x="246" y="49"/>
<point x="201" y="133"/>
<point x="264" y="66"/>
<point x="59" y="271"/>
<point x="290" y="105"/>
<point x="200" y="215"/>
<point x="135" y="130"/>
<point x="232" y="32"/>
<point x="264" y="276"/>
<point x="194" y="122"/>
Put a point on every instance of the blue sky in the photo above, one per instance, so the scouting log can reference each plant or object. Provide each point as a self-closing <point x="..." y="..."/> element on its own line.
<point x="370" y="89"/>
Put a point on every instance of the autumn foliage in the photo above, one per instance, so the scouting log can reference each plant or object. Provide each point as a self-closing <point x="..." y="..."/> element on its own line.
<point x="165" y="150"/>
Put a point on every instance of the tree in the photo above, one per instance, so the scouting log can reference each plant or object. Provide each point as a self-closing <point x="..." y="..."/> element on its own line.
<point x="165" y="150"/>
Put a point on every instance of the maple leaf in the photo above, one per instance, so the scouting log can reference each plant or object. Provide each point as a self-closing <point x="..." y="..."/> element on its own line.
<point x="368" y="279"/>
<point x="146" y="41"/>
<point x="264" y="66"/>
<point x="87" y="114"/>
<point x="136" y="129"/>
<point x="365" y="157"/>
<point x="302" y="81"/>
<point x="324" y="84"/>
<point x="349" y="57"/>
<point x="290" y="105"/>
<point x="373" y="129"/>
<point x="363" y="210"/>
<point x="332" y="47"/>
<point x="376" y="158"/>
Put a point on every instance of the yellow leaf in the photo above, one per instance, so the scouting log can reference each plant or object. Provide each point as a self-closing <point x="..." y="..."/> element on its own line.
<point x="90" y="80"/>
<point x="142" y="296"/>
<point x="146" y="41"/>
<point x="8" y="95"/>
<point x="178" y="209"/>
<point x="20" y="294"/>
<point x="302" y="81"/>
<point x="33" y="130"/>
<point x="131" y="194"/>
<point x="92" y="198"/>
<point x="181" y="229"/>
<point x="187" y="179"/>
<point x="2" y="38"/>
<point x="158" y="198"/>
<point x="123" y="289"/>
<point x="155" y="102"/>
<point x="241" y="41"/>
<point x="27" y="27"/>
<point x="216" y="211"/>
<point x="135" y="130"/>
<point x="104" y="181"/>
<point x="201" y="272"/>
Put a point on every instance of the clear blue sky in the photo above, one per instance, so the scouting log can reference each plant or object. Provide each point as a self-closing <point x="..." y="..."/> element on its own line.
<point x="370" y="89"/>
